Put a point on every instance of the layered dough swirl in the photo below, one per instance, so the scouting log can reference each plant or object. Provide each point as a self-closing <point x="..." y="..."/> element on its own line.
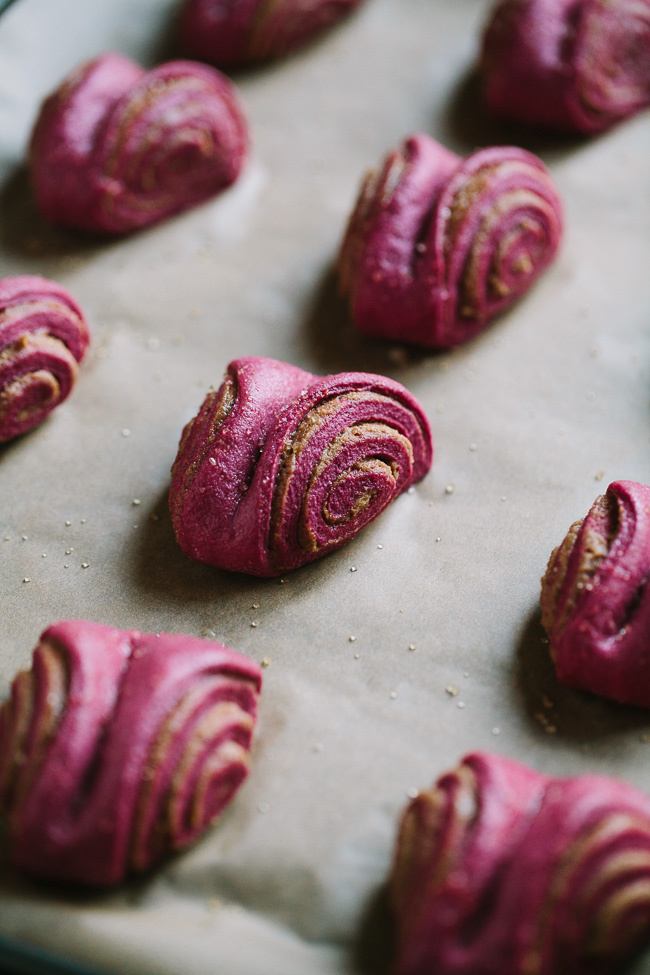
<point x="580" y="65"/>
<point x="437" y="246"/>
<point x="116" y="148"/>
<point x="119" y="747"/>
<point x="502" y="871"/>
<point x="281" y="467"/>
<point x="43" y="338"/>
<point x="232" y="33"/>
<point x="596" y="600"/>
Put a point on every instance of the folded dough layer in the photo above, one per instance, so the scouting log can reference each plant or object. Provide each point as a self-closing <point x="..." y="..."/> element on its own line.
<point x="280" y="466"/>
<point x="580" y="65"/>
<point x="116" y="148"/>
<point x="596" y="601"/>
<point x="119" y="747"/>
<point x="232" y="33"/>
<point x="437" y="246"/>
<point x="43" y="337"/>
<point x="502" y="871"/>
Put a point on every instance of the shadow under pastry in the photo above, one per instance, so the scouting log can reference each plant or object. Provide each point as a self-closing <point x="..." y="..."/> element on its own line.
<point x="336" y="346"/>
<point x="467" y="124"/>
<point x="25" y="234"/>
<point x="374" y="947"/>
<point x="160" y="567"/>
<point x="569" y="714"/>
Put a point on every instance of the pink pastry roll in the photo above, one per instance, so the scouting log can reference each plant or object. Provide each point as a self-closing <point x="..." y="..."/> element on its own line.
<point x="281" y="467"/>
<point x="116" y="148"/>
<point x="580" y="65"/>
<point x="119" y="747"/>
<point x="596" y="600"/>
<point x="232" y="33"/>
<point x="43" y="337"/>
<point x="437" y="246"/>
<point x="501" y="871"/>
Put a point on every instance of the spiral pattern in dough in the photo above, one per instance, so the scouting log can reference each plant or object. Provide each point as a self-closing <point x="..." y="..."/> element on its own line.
<point x="119" y="747"/>
<point x="579" y="65"/>
<point x="596" y="600"/>
<point x="281" y="467"/>
<point x="116" y="148"/>
<point x="43" y="337"/>
<point x="501" y="871"/>
<point x="438" y="246"/>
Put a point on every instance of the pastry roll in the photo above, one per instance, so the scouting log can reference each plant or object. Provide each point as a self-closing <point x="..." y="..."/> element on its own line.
<point x="231" y="33"/>
<point x="43" y="338"/>
<point x="580" y="65"/>
<point x="116" y="148"/>
<point x="120" y="747"/>
<point x="595" y="598"/>
<point x="501" y="871"/>
<point x="281" y="467"/>
<point x="438" y="246"/>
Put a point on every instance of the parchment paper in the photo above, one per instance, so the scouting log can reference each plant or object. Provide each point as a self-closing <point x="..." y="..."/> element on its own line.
<point x="531" y="421"/>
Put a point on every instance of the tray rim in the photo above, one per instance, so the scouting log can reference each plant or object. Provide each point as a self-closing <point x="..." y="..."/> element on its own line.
<point x="19" y="958"/>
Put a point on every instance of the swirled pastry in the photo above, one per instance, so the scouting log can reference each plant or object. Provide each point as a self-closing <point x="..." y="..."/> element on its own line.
<point x="43" y="337"/>
<point x="596" y="601"/>
<point x="437" y="246"/>
<point x="232" y="33"/>
<point x="116" y="148"/>
<point x="119" y="747"/>
<point x="502" y="871"/>
<point x="580" y="65"/>
<point x="281" y="467"/>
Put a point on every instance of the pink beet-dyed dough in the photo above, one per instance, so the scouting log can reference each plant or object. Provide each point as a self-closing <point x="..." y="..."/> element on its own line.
<point x="224" y="516"/>
<point x="72" y="815"/>
<point x="232" y="33"/>
<point x="605" y="645"/>
<point x="406" y="260"/>
<point x="43" y="335"/>
<point x="489" y="912"/>
<point x="106" y="156"/>
<point x="580" y="65"/>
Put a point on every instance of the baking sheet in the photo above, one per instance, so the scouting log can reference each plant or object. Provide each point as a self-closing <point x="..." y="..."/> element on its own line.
<point x="531" y="421"/>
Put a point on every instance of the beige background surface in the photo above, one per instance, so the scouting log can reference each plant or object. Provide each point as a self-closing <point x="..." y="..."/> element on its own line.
<point x="555" y="397"/>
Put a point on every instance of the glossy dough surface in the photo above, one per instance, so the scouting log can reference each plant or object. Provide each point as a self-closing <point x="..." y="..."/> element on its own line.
<point x="580" y="65"/>
<point x="43" y="338"/>
<point x="502" y="871"/>
<point x="281" y="466"/>
<point x="119" y="747"/>
<point x="116" y="148"/>
<point x="239" y="32"/>
<point x="437" y="246"/>
<point x="596" y="601"/>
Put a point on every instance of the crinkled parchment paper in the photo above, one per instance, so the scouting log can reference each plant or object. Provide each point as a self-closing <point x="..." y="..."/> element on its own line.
<point x="531" y="421"/>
